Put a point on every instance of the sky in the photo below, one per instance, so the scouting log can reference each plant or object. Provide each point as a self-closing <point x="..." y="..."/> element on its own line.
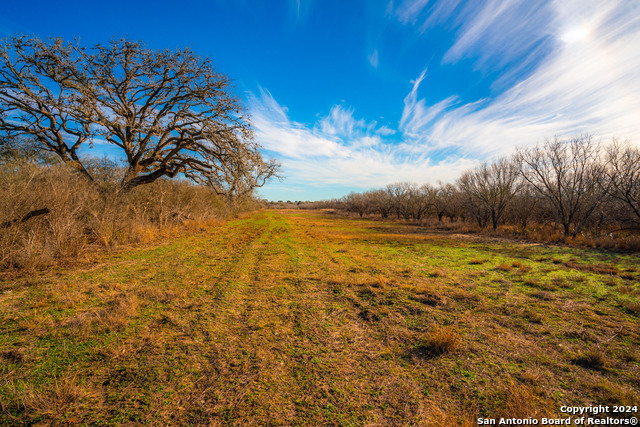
<point x="351" y="95"/>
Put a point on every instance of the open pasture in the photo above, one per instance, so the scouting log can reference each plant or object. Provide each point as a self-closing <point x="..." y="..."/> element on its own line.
<point x="309" y="318"/>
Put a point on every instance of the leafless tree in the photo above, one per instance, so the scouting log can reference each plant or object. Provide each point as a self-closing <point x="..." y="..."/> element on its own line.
<point x="490" y="188"/>
<point x="167" y="112"/>
<point x="398" y="197"/>
<point x="623" y="171"/>
<point x="420" y="200"/>
<point x="448" y="202"/>
<point x="524" y="207"/>
<point x="380" y="203"/>
<point x="357" y="202"/>
<point x="569" y="175"/>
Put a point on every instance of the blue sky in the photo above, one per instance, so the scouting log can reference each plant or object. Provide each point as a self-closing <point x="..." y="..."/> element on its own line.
<point x="351" y="95"/>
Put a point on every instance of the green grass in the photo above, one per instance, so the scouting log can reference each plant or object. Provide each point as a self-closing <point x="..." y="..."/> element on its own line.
<point x="302" y="318"/>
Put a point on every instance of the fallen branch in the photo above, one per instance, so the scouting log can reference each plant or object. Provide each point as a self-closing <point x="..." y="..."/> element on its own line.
<point x="25" y="218"/>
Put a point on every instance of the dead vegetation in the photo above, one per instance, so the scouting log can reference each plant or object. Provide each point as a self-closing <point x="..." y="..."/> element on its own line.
<point x="76" y="217"/>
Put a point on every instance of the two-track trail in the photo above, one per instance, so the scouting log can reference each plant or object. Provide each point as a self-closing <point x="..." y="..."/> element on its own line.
<point x="309" y="318"/>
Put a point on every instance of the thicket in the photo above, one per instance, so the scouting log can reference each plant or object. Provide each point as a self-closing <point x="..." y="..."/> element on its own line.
<point x="49" y="212"/>
<point x="563" y="190"/>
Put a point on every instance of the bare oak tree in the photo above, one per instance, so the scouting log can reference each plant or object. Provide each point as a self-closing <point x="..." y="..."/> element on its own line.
<point x="166" y="112"/>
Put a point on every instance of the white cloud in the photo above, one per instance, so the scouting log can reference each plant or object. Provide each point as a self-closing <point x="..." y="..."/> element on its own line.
<point x="341" y="150"/>
<point x="277" y="133"/>
<point x="577" y="63"/>
<point x="416" y="115"/>
<point x="503" y="32"/>
<point x="373" y="58"/>
<point x="589" y="82"/>
<point x="385" y="131"/>
<point x="409" y="10"/>
<point x="340" y="122"/>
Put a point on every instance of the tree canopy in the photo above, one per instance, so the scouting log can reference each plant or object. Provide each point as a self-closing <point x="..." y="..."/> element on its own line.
<point x="167" y="112"/>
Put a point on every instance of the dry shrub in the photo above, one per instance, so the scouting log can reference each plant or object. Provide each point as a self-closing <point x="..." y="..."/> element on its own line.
<point x="503" y="267"/>
<point x="82" y="215"/>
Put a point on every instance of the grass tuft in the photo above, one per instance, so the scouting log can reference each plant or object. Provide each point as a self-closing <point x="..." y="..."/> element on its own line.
<point x="631" y="307"/>
<point x="591" y="359"/>
<point x="439" y="341"/>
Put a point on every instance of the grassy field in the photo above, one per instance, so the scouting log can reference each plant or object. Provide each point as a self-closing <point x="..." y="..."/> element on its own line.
<point x="308" y="318"/>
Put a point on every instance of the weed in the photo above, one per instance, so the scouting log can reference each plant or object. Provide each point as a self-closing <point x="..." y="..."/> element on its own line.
<point x="592" y="359"/>
<point x="503" y="267"/>
<point x="631" y="307"/>
<point x="439" y="341"/>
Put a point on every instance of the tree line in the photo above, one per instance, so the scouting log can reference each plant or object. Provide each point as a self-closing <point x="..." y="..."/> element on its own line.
<point x="574" y="184"/>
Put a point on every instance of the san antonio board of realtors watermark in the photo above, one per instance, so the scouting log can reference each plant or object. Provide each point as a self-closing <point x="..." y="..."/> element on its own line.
<point x="577" y="415"/>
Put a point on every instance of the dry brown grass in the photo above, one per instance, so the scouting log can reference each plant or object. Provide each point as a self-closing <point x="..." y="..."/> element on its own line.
<point x="632" y="307"/>
<point x="523" y="401"/>
<point x="439" y="341"/>
<point x="52" y="399"/>
<point x="444" y="415"/>
<point x="504" y="267"/>
<point x="81" y="217"/>
<point x="591" y="359"/>
<point x="276" y="319"/>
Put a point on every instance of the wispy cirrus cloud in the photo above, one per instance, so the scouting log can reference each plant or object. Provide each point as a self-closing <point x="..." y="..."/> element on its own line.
<point x="373" y="58"/>
<point x="416" y="114"/>
<point x="408" y="11"/>
<point x="277" y="133"/>
<point x="503" y="32"/>
<point x="340" y="150"/>
<point x="563" y="68"/>
<point x="587" y="82"/>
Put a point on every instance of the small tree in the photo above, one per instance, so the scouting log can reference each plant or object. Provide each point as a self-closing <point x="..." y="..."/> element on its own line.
<point x="166" y="112"/>
<point x="490" y="188"/>
<point x="357" y="202"/>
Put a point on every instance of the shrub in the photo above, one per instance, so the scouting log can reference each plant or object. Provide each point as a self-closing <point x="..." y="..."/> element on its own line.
<point x="73" y="215"/>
